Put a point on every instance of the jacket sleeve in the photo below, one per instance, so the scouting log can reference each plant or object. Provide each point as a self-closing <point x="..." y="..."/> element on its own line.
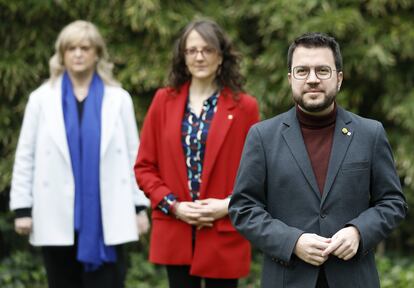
<point x="147" y="163"/>
<point x="23" y="169"/>
<point x="131" y="132"/>
<point x="388" y="205"/>
<point x="247" y="208"/>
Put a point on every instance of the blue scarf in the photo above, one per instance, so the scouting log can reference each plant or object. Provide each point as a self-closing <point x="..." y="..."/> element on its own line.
<point x="84" y="146"/>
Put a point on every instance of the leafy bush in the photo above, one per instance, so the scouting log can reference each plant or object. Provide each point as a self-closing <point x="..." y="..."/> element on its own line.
<point x="376" y="36"/>
<point x="377" y="39"/>
<point x="22" y="269"/>
<point x="144" y="274"/>
<point x="396" y="272"/>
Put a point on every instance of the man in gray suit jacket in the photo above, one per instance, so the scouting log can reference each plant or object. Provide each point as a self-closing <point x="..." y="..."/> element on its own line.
<point x="317" y="188"/>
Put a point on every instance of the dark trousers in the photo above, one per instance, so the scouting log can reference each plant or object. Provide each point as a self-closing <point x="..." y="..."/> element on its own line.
<point x="179" y="277"/>
<point x="64" y="271"/>
<point x="322" y="282"/>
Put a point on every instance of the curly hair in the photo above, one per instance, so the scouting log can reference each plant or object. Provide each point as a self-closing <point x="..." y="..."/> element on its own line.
<point x="228" y="73"/>
<point x="73" y="33"/>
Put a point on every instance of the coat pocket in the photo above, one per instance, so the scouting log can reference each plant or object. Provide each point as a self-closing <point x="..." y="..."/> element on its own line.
<point x="355" y="165"/>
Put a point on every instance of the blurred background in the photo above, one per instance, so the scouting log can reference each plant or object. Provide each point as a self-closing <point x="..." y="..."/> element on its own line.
<point x="377" y="42"/>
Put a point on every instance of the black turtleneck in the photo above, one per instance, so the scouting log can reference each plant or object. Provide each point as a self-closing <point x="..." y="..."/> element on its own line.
<point x="317" y="134"/>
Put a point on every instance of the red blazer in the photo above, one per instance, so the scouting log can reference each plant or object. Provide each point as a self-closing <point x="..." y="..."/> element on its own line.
<point x="220" y="251"/>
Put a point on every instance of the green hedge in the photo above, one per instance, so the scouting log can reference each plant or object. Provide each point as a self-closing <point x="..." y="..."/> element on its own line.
<point x="376" y="37"/>
<point x="377" y="40"/>
<point x="23" y="269"/>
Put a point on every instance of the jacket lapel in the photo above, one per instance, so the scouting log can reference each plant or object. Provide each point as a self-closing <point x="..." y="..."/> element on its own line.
<point x="340" y="145"/>
<point x="174" y="113"/>
<point x="294" y="139"/>
<point x="55" y="120"/>
<point x="111" y="105"/>
<point x="220" y="126"/>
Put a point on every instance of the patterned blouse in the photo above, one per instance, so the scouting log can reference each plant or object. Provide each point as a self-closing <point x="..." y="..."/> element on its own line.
<point x="194" y="131"/>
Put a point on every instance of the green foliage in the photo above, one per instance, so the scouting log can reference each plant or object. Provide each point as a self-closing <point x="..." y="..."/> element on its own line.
<point x="22" y="270"/>
<point x="142" y="273"/>
<point x="376" y="36"/>
<point x="396" y="272"/>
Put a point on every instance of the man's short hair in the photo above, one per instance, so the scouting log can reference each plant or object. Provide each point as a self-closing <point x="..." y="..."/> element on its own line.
<point x="316" y="40"/>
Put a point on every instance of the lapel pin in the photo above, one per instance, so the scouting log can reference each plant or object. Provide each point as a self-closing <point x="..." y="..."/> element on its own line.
<point x="230" y="116"/>
<point x="345" y="131"/>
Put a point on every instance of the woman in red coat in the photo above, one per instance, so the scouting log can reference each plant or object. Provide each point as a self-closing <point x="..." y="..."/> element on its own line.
<point x="191" y="145"/>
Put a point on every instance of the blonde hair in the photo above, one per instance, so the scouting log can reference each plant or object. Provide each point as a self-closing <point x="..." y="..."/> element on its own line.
<point x="73" y="33"/>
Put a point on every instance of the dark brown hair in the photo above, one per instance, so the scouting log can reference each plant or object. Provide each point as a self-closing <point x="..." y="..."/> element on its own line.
<point x="228" y="73"/>
<point x="316" y="40"/>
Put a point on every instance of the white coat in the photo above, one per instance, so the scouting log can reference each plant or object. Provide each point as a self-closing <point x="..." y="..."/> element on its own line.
<point x="43" y="178"/>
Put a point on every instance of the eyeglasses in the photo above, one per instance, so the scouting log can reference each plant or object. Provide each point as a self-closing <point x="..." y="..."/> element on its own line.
<point x="321" y="72"/>
<point x="206" y="52"/>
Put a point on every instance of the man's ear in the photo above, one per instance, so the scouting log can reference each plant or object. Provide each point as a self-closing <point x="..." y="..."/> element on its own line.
<point x="340" y="78"/>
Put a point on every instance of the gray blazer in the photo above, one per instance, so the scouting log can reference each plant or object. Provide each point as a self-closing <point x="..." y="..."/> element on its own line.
<point x="276" y="198"/>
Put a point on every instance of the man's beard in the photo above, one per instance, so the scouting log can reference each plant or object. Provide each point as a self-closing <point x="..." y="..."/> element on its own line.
<point x="329" y="98"/>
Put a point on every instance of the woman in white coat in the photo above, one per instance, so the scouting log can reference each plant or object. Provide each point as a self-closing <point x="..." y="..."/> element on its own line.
<point x="73" y="187"/>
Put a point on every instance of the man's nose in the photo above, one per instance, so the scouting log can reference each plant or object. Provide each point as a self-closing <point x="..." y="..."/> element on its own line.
<point x="312" y="78"/>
